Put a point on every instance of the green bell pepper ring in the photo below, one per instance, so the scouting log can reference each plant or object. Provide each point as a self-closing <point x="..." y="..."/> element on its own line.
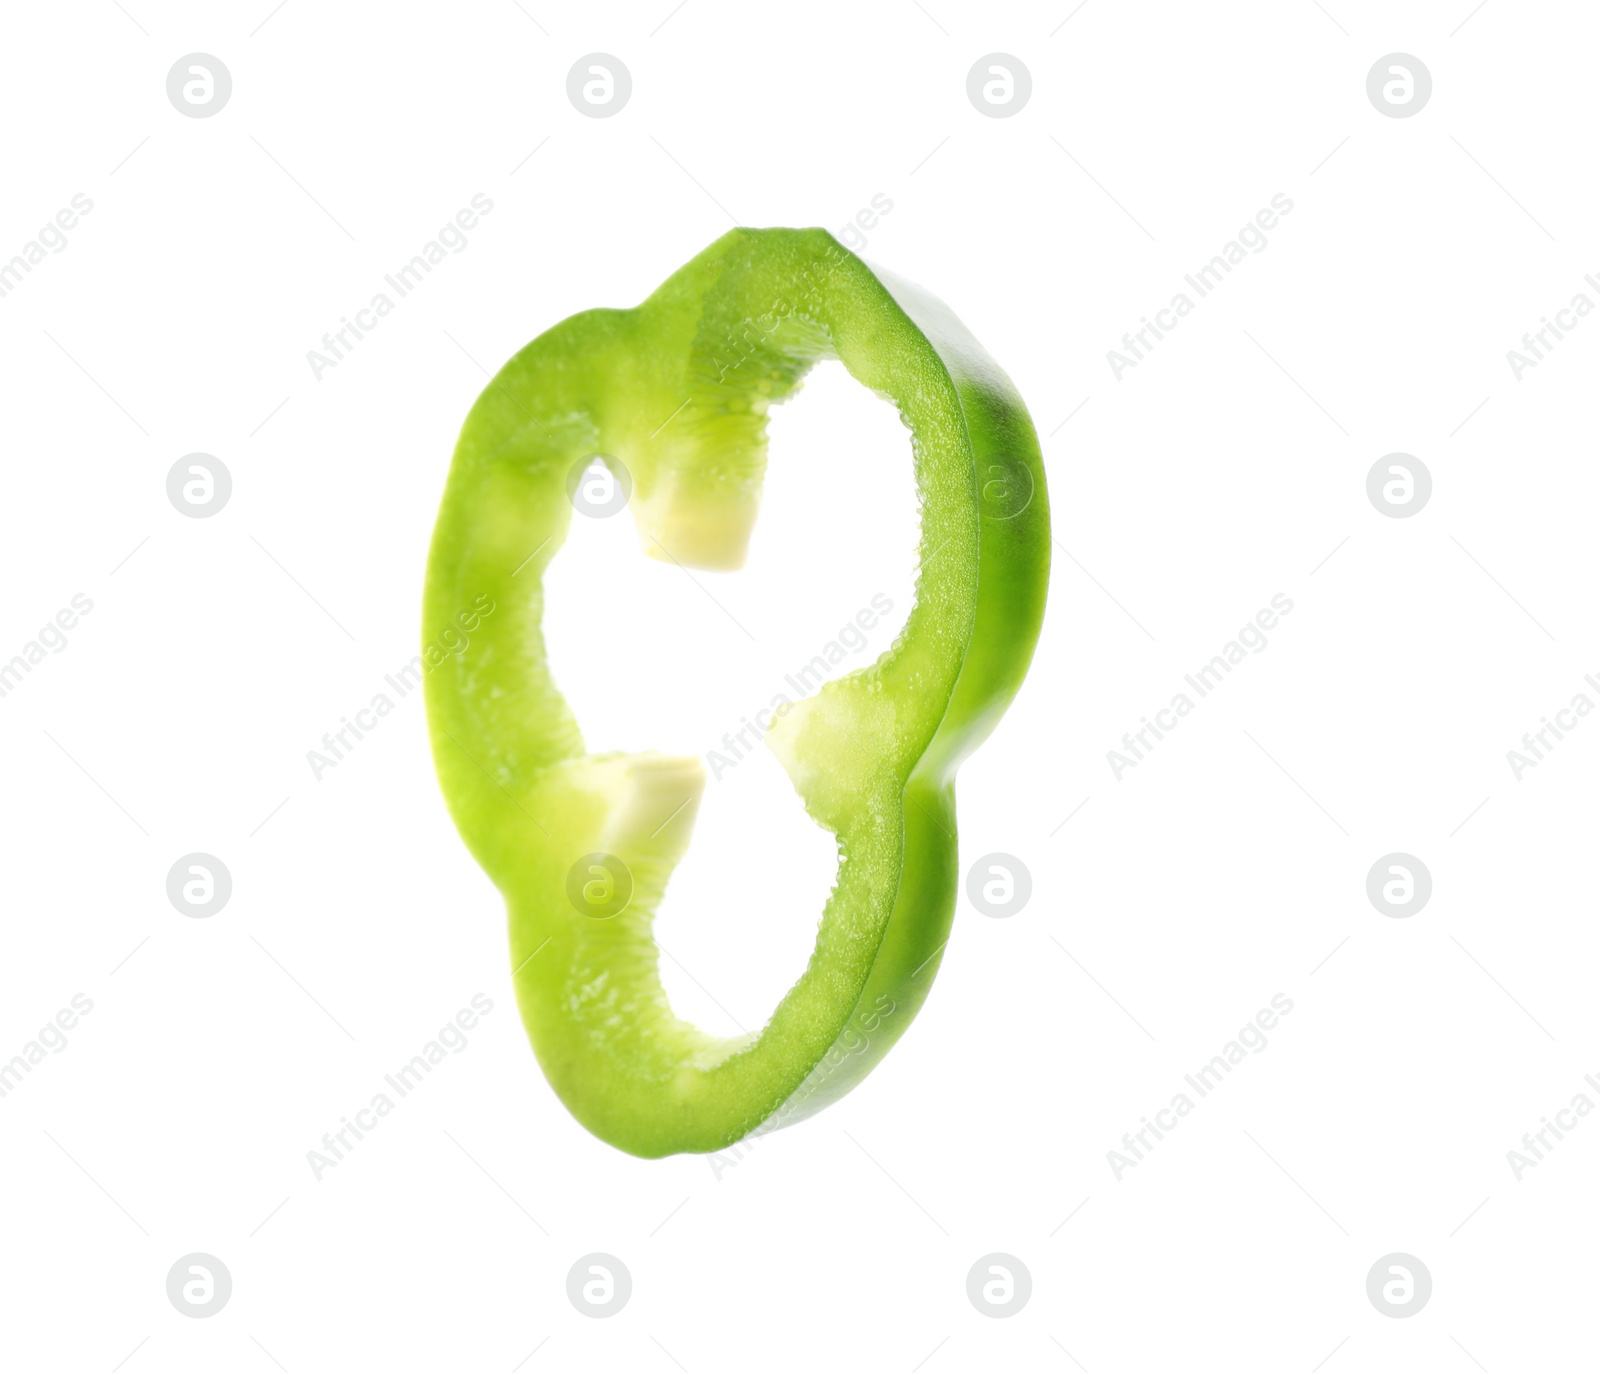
<point x="676" y="393"/>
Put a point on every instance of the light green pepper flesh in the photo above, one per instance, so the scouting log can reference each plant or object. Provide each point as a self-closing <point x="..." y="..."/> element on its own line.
<point x="677" y="391"/>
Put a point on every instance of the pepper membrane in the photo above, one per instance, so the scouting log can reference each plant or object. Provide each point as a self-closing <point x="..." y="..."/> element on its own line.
<point x="674" y="395"/>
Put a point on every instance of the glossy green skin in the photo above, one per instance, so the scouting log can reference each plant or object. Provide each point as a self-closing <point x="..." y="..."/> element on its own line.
<point x="677" y="391"/>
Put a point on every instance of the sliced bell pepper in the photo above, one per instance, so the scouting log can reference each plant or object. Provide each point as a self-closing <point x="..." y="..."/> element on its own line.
<point x="676" y="391"/>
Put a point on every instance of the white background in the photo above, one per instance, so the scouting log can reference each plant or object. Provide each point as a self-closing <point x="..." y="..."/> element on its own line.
<point x="1227" y="867"/>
